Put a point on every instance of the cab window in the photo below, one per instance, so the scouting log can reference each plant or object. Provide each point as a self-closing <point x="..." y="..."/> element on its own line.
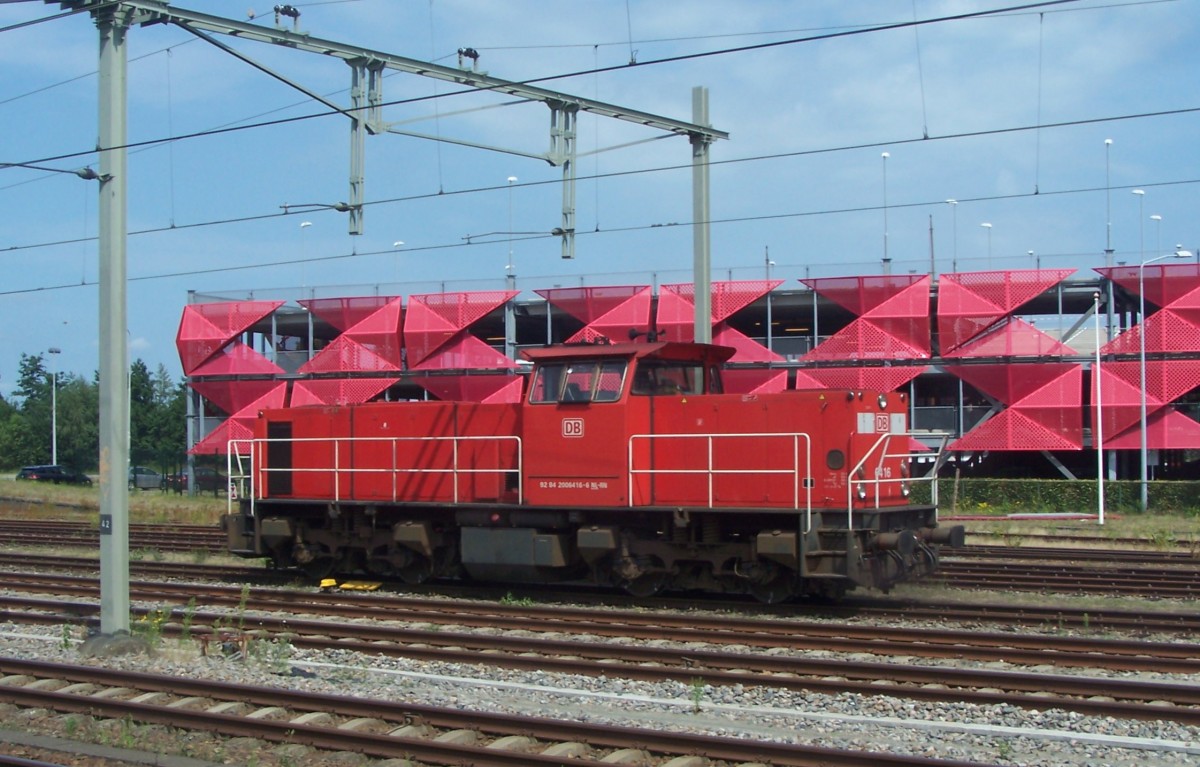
<point x="581" y="381"/>
<point x="666" y="378"/>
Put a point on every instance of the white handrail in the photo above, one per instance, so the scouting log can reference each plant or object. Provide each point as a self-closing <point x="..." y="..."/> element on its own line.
<point x="255" y="449"/>
<point x="878" y="480"/>
<point x="801" y="473"/>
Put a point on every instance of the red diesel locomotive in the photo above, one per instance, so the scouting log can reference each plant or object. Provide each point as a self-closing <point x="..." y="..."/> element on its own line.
<point x="624" y="465"/>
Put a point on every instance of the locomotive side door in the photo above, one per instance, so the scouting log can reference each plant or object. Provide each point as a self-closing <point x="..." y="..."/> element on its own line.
<point x="575" y="433"/>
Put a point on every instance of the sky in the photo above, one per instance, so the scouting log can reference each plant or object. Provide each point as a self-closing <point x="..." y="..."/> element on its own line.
<point x="1009" y="113"/>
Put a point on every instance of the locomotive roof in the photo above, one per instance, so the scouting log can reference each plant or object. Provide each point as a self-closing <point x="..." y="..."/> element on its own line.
<point x="676" y="351"/>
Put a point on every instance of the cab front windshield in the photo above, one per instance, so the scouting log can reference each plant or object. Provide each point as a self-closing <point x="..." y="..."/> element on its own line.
<point x="578" y="381"/>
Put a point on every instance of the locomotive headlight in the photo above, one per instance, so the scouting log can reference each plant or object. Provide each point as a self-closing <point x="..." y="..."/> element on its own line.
<point x="882" y="401"/>
<point x="905" y="473"/>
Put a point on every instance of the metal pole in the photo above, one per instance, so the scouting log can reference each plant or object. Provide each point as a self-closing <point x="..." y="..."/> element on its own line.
<point x="1144" y="499"/>
<point x="953" y="203"/>
<point x="54" y="352"/>
<point x="887" y="262"/>
<point x="768" y="263"/>
<point x="701" y="236"/>
<point x="510" y="283"/>
<point x="1099" y="425"/>
<point x="1108" y="251"/>
<point x="113" y="24"/>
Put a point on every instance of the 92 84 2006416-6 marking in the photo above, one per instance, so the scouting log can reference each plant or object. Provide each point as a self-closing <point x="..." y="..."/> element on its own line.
<point x="573" y="484"/>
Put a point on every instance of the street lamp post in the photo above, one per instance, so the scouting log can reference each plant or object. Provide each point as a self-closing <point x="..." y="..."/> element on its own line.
<point x="887" y="262"/>
<point x="953" y="203"/>
<point x="54" y="351"/>
<point x="1108" y="251"/>
<point x="988" y="227"/>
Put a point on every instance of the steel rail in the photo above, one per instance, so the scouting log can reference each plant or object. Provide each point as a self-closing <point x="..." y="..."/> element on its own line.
<point x="396" y="746"/>
<point x="1028" y="690"/>
<point x="1127" y="655"/>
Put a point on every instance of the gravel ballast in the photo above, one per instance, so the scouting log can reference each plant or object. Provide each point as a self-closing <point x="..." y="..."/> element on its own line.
<point x="986" y="734"/>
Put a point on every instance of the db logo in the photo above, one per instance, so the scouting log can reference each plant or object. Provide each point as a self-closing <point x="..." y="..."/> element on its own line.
<point x="882" y="423"/>
<point x="572" y="427"/>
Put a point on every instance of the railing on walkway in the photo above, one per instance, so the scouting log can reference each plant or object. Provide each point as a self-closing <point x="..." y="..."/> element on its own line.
<point x="249" y="472"/>
<point x="800" y="469"/>
<point x="899" y="445"/>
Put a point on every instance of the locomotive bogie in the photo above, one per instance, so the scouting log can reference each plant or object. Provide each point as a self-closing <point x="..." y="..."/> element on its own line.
<point x="624" y="466"/>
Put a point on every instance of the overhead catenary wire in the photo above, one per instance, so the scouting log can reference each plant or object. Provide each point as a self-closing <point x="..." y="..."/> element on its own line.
<point x="467" y="243"/>
<point x="579" y="73"/>
<point x="596" y="70"/>
<point x="678" y="167"/>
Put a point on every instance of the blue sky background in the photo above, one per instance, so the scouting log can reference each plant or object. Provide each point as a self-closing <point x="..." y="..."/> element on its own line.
<point x="802" y="174"/>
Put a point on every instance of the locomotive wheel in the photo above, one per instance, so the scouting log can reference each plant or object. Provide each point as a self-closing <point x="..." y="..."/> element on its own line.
<point x="779" y="589"/>
<point x="416" y="572"/>
<point x="645" y="585"/>
<point x="319" y="569"/>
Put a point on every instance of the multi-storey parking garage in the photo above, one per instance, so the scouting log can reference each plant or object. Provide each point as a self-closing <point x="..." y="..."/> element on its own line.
<point x="1006" y="362"/>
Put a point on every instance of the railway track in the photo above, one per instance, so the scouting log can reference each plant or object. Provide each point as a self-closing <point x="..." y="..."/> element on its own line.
<point x="714" y="630"/>
<point x="386" y="729"/>
<point x="355" y="628"/>
<point x="1153" y="574"/>
<point x="990" y="611"/>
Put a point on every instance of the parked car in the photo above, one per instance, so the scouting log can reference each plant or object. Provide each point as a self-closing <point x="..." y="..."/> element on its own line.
<point x="208" y="480"/>
<point x="59" y="475"/>
<point x="143" y="478"/>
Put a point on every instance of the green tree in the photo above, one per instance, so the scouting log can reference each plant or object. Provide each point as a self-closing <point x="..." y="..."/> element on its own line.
<point x="166" y="422"/>
<point x="33" y="394"/>
<point x="141" y="414"/>
<point x="19" y="446"/>
<point x="78" y="423"/>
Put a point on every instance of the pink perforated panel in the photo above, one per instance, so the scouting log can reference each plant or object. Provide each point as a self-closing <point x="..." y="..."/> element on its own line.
<point x="874" y="378"/>
<point x="433" y="321"/>
<point x="609" y="313"/>
<point x="465" y="352"/>
<point x="1166" y="283"/>
<point x="676" y="316"/>
<point x="1015" y="429"/>
<point x="240" y="424"/>
<point x="1121" y="393"/>
<point x="971" y="302"/>
<point x="1167" y="429"/>
<point x="728" y="297"/>
<point x="894" y="324"/>
<point x="1170" y="330"/>
<point x="338" y="391"/>
<point x="347" y="354"/>
<point x="862" y="339"/>
<point x="205" y="328"/>
<point x="1044" y="406"/>
<point x="1012" y="337"/>
<point x="862" y="294"/>
<point x="748" y="350"/>
<point x="237" y="359"/>
<point x="754" y="381"/>
<point x="233" y="396"/>
<point x="217" y="441"/>
<point x="476" y="388"/>
<point x="345" y="313"/>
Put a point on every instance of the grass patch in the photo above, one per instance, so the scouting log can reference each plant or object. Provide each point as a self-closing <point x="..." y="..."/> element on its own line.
<point x="38" y="501"/>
